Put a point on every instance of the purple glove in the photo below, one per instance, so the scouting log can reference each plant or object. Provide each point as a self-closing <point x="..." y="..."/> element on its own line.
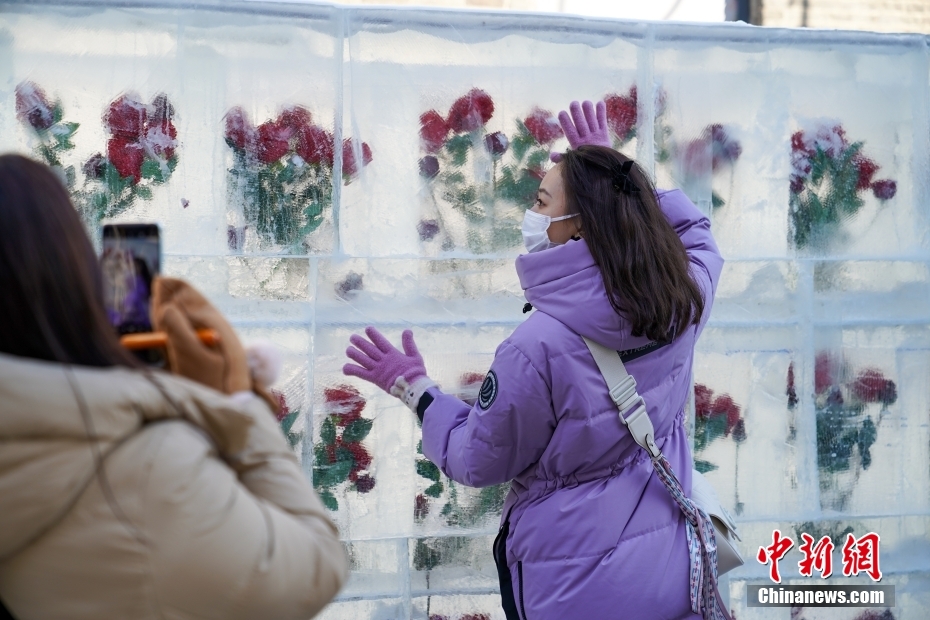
<point x="587" y="128"/>
<point x="401" y="374"/>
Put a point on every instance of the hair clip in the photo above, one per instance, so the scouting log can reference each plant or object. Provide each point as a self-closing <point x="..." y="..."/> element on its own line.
<point x="621" y="179"/>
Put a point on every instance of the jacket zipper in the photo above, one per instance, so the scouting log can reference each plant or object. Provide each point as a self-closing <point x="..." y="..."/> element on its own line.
<point x="520" y="584"/>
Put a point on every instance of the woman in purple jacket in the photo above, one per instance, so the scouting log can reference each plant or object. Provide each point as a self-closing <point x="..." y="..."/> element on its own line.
<point x="588" y="529"/>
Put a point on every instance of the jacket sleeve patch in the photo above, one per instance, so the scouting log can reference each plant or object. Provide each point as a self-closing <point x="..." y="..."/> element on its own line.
<point x="488" y="393"/>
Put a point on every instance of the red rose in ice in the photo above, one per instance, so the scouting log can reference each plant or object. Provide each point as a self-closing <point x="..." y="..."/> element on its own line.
<point x="433" y="131"/>
<point x="543" y="126"/>
<point x="824" y="372"/>
<point x="345" y="402"/>
<point x="427" y="229"/>
<point x="315" y="145"/>
<point x="240" y="133"/>
<point x="621" y="113"/>
<point x="33" y="107"/>
<point x="421" y="508"/>
<point x="867" y="169"/>
<point x="349" y="165"/>
<point x="798" y="144"/>
<point x="790" y="391"/>
<point x="724" y="405"/>
<point x="496" y="143"/>
<point x="470" y="112"/>
<point x="872" y="387"/>
<point x="125" y="118"/>
<point x="429" y="166"/>
<point x="295" y="118"/>
<point x="724" y="149"/>
<point x="696" y="158"/>
<point x="272" y="142"/>
<point x="126" y="156"/>
<point x="475" y="617"/>
<point x="159" y="141"/>
<point x="703" y="401"/>
<point x="161" y="112"/>
<point x="95" y="166"/>
<point x="360" y="455"/>
<point x="364" y="484"/>
<point x="884" y="189"/>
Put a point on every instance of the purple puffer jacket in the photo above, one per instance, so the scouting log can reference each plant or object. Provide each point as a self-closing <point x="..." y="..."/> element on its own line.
<point x="593" y="533"/>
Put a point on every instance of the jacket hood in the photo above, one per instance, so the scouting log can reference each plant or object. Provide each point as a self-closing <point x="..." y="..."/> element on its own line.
<point x="565" y="283"/>
<point x="47" y="444"/>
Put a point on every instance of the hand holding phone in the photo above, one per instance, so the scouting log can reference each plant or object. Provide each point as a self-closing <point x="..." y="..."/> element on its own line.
<point x="179" y="310"/>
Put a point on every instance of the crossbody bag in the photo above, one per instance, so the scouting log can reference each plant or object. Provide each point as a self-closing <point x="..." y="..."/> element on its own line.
<point x="710" y="528"/>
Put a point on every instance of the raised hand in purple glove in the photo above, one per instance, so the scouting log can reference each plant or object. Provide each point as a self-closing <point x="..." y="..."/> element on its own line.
<point x="399" y="373"/>
<point x="585" y="126"/>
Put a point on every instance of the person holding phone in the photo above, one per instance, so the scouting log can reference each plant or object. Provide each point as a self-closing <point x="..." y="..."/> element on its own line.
<point x="589" y="529"/>
<point x="127" y="492"/>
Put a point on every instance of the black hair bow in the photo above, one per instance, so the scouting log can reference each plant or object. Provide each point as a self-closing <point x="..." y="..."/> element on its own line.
<point x="621" y="179"/>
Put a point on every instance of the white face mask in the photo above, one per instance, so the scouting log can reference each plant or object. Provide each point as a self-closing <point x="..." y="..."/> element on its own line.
<point x="535" y="227"/>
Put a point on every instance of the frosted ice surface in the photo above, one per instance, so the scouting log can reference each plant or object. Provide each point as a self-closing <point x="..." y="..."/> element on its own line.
<point x="317" y="169"/>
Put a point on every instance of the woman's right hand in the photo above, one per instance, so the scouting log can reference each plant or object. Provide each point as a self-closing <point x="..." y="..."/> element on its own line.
<point x="585" y="126"/>
<point x="179" y="310"/>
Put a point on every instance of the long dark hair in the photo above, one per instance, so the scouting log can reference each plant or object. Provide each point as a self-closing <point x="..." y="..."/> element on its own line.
<point x="641" y="258"/>
<point x="51" y="289"/>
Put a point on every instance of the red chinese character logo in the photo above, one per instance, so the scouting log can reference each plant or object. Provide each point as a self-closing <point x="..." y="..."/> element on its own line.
<point x="819" y="556"/>
<point x="774" y="552"/>
<point x="861" y="556"/>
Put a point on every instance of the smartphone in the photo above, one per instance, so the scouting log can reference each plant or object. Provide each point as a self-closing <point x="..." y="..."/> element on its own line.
<point x="130" y="260"/>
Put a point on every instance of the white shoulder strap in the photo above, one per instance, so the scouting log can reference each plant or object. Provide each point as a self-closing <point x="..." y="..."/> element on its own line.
<point x="622" y="389"/>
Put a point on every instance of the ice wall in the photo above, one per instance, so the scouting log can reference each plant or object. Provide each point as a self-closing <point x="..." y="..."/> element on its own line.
<point x="808" y="149"/>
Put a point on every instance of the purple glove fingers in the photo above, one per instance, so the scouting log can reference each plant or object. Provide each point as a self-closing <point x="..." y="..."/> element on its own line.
<point x="590" y="118"/>
<point x="352" y="370"/>
<point x="410" y="347"/>
<point x="568" y="128"/>
<point x="366" y="347"/>
<point x="383" y="344"/>
<point x="360" y="358"/>
<point x="581" y="124"/>
<point x="602" y="116"/>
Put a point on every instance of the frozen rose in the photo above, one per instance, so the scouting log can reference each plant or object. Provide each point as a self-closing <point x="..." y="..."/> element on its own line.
<point x="349" y="164"/>
<point x="283" y="410"/>
<point x="696" y="158"/>
<point x="33" y="107"/>
<point x="315" y="145"/>
<point x="544" y="128"/>
<point x="703" y="401"/>
<point x="433" y="131"/>
<point x="421" y="509"/>
<point x="161" y="112"/>
<point x="871" y="386"/>
<point x="348" y="285"/>
<point x="272" y="142"/>
<point x="360" y="455"/>
<point x="427" y="229"/>
<point x="496" y="143"/>
<point x="866" y="169"/>
<point x="724" y="149"/>
<point x="95" y="166"/>
<point x="160" y="141"/>
<point x="429" y="166"/>
<point x="790" y="391"/>
<point x="471" y="111"/>
<point x="345" y="403"/>
<point x="536" y="173"/>
<point x="240" y="133"/>
<point x="364" y="484"/>
<point x="825" y="372"/>
<point x="296" y="118"/>
<point x="621" y="113"/>
<point x="126" y="156"/>
<point x="235" y="237"/>
<point x="125" y="118"/>
<point x="884" y="189"/>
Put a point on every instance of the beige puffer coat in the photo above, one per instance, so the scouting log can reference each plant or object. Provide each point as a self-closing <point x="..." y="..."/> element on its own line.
<point x="200" y="511"/>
